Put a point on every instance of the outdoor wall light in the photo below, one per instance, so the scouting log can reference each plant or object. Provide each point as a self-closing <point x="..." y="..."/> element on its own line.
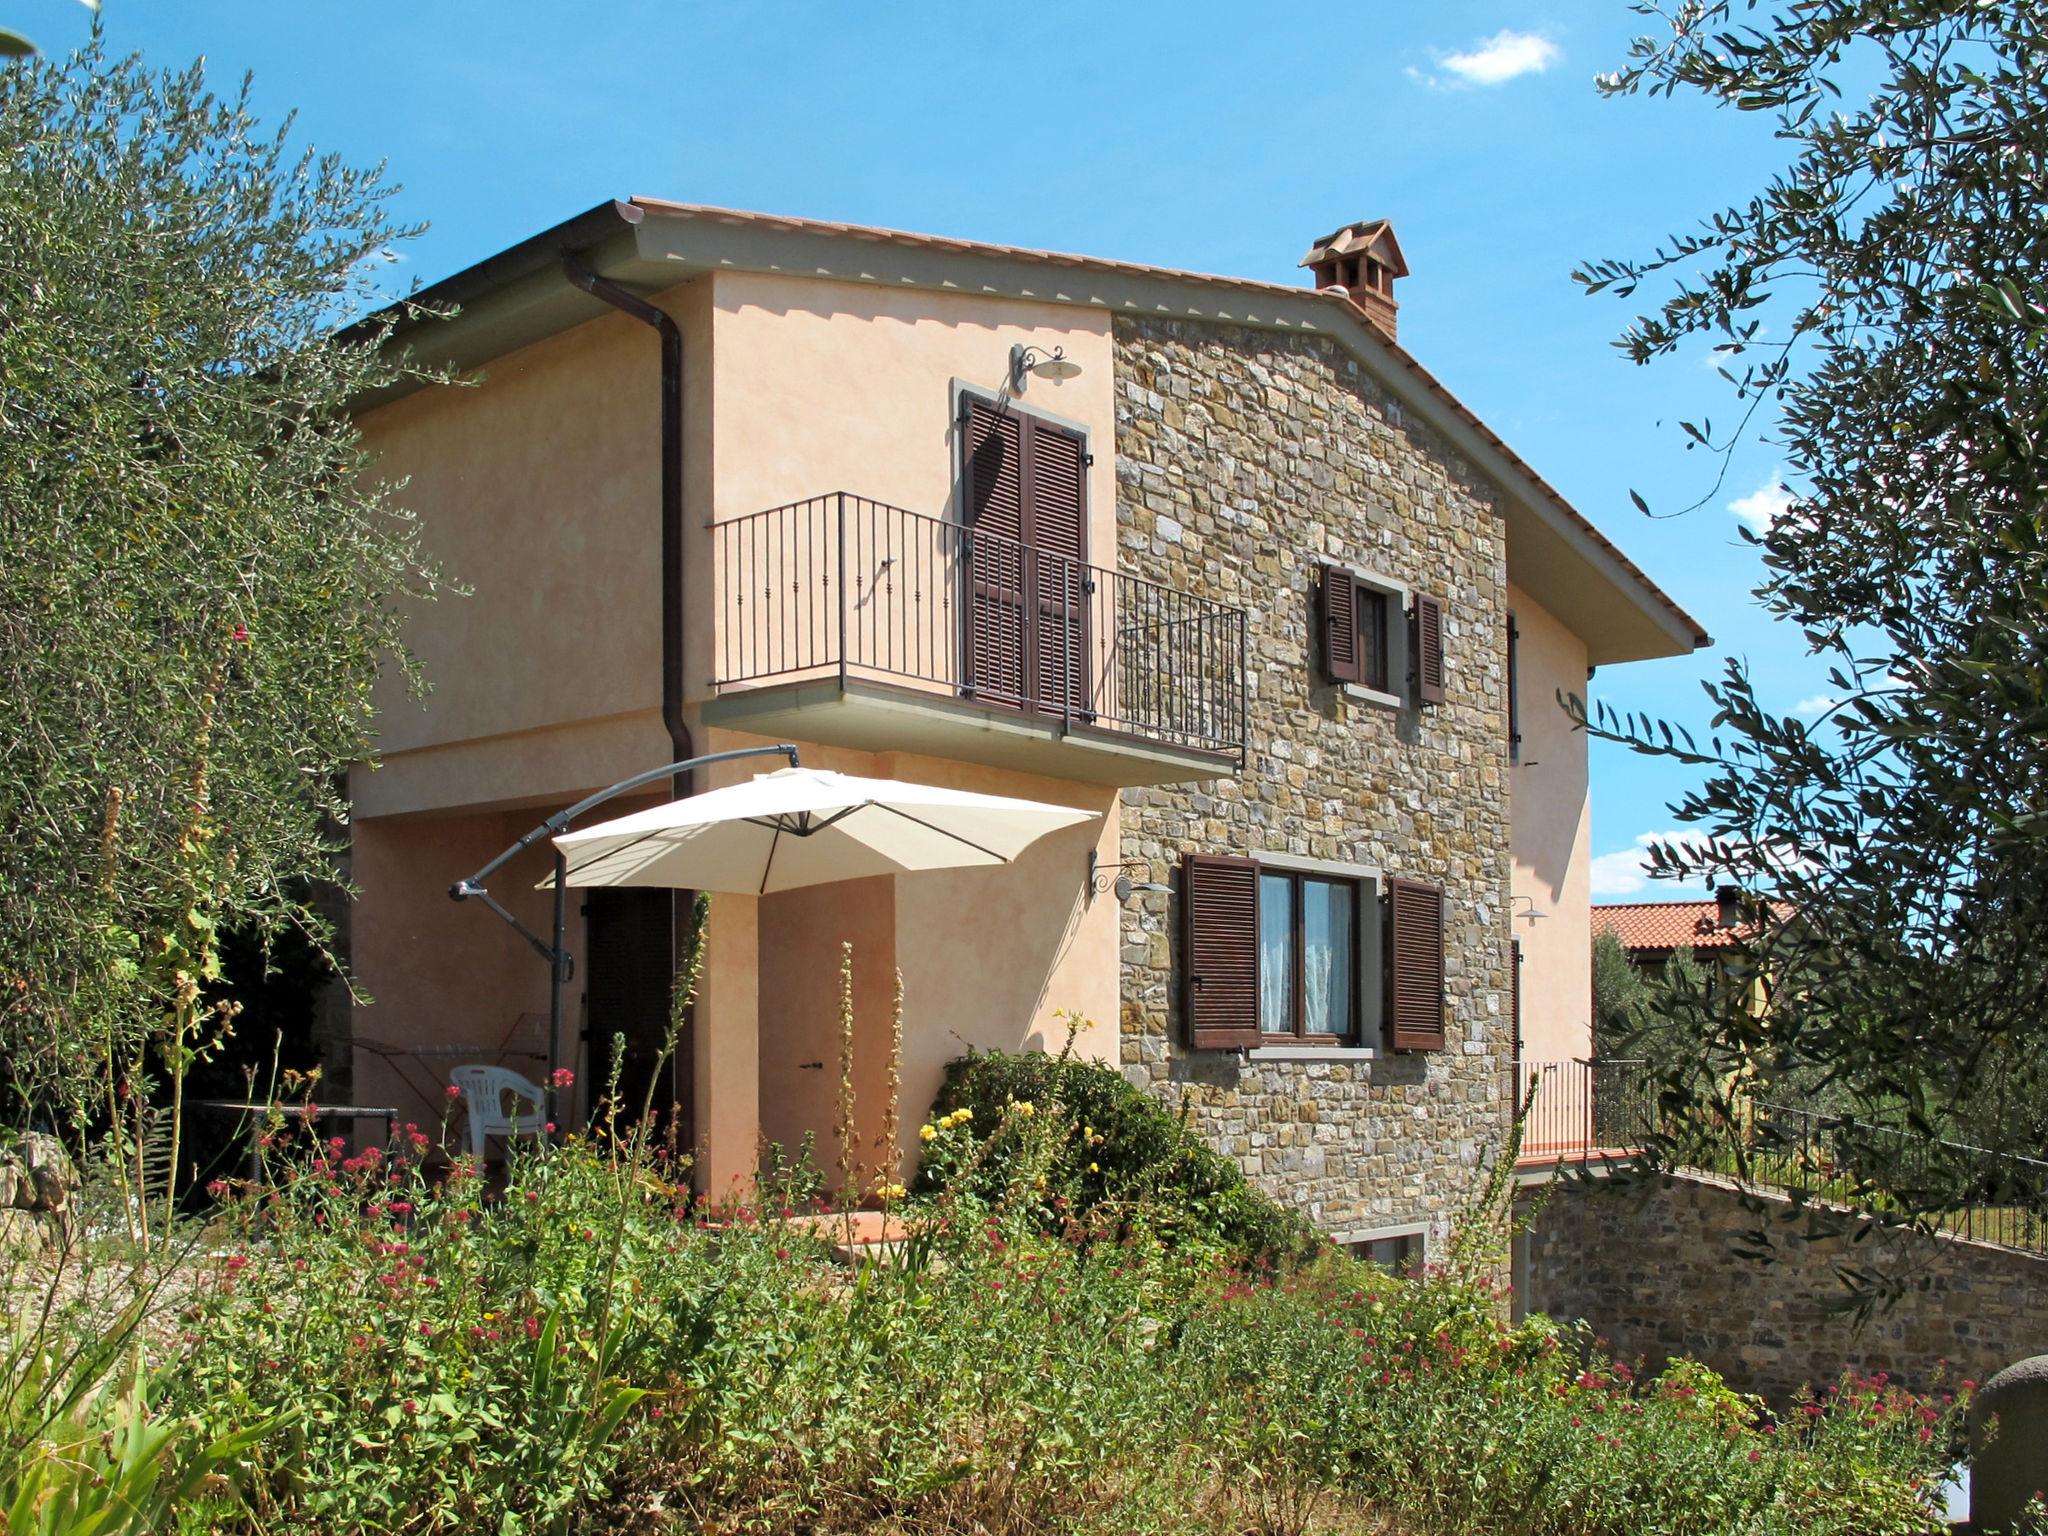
<point x="1054" y="365"/>
<point x="1101" y="882"/>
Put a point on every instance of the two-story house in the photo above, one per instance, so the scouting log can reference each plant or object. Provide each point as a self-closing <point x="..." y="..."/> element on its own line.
<point x="1213" y="558"/>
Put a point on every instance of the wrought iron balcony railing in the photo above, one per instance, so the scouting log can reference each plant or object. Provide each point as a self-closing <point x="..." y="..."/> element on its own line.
<point x="1600" y="1108"/>
<point x="843" y="586"/>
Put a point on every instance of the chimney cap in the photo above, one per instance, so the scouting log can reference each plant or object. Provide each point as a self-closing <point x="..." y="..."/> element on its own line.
<point x="1373" y="237"/>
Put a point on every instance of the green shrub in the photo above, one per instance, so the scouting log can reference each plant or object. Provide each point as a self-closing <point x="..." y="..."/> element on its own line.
<point x="1113" y="1145"/>
<point x="587" y="1350"/>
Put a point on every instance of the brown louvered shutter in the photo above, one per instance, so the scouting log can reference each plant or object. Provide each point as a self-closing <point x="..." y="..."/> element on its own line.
<point x="1056" y="527"/>
<point x="1220" y="899"/>
<point x="1341" y="660"/>
<point x="1415" y="965"/>
<point x="1429" y="649"/>
<point x="993" y="559"/>
<point x="1515" y="998"/>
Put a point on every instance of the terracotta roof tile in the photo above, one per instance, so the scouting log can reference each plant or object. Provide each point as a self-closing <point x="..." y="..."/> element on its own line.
<point x="1666" y="925"/>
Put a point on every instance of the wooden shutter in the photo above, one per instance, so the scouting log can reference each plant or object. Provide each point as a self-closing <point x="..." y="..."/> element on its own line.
<point x="1341" y="660"/>
<point x="1220" y="902"/>
<point x="1415" y="965"/>
<point x="1515" y="997"/>
<point x="1514" y="690"/>
<point x="993" y="571"/>
<point x="1429" y="649"/>
<point x="1056" y="527"/>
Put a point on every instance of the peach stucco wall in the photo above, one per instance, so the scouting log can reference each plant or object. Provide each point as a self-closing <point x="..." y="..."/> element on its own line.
<point x="538" y="491"/>
<point x="822" y="387"/>
<point x="1551" y="835"/>
<point x="990" y="957"/>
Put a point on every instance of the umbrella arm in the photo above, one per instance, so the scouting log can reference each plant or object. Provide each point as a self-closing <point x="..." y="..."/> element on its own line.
<point x="534" y="941"/>
<point x="462" y="890"/>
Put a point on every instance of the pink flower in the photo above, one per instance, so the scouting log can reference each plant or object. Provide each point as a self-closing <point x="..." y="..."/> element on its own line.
<point x="562" y="1077"/>
<point x="242" y="632"/>
<point x="550" y="1127"/>
<point x="454" y="1091"/>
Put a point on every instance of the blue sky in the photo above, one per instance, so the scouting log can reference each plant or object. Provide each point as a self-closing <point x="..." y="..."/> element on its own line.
<point x="1216" y="137"/>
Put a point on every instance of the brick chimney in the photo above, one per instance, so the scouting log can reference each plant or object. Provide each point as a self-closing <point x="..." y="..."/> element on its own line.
<point x="1363" y="259"/>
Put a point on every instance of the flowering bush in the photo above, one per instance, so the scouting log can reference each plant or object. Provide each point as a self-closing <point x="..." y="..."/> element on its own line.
<point x="587" y="1349"/>
<point x="1119" y="1147"/>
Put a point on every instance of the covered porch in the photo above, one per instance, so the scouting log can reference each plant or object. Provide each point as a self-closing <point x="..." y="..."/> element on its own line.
<point x="989" y="958"/>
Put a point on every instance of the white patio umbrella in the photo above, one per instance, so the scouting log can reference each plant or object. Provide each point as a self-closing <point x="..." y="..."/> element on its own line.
<point x="806" y="826"/>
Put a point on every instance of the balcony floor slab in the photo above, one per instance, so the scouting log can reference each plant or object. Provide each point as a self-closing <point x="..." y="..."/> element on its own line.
<point x="884" y="717"/>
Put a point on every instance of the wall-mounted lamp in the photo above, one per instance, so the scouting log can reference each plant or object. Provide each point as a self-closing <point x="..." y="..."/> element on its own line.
<point x="1101" y="881"/>
<point x="1054" y="365"/>
<point x="1530" y="915"/>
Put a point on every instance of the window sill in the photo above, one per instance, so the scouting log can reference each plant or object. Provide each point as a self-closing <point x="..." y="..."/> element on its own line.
<point x="1312" y="1053"/>
<point x="1359" y="694"/>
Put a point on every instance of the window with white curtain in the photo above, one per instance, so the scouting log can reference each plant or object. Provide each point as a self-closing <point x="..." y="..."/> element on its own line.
<point x="1308" y="955"/>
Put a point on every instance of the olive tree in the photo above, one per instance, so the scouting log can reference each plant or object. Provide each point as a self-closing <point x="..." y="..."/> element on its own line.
<point x="199" y="576"/>
<point x="1877" y="308"/>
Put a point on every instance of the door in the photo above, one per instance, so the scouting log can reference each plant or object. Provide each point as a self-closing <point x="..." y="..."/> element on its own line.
<point x="1025" y="579"/>
<point x="626" y="1005"/>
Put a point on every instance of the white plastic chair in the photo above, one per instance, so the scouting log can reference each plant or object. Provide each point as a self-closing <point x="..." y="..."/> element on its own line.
<point x="484" y="1090"/>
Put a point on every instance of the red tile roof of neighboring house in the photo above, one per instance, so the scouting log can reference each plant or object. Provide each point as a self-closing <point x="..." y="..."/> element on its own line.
<point x="1666" y="925"/>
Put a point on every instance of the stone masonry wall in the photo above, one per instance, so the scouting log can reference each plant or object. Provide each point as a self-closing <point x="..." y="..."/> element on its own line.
<point x="1654" y="1268"/>
<point x="1243" y="459"/>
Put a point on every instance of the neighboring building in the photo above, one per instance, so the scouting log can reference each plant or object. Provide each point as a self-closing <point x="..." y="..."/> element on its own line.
<point x="1250" y="583"/>
<point x="1651" y="932"/>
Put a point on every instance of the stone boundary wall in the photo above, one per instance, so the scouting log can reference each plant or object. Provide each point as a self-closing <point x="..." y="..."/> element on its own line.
<point x="1657" y="1269"/>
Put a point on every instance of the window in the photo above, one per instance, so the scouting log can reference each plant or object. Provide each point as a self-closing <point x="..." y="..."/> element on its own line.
<point x="1308" y="955"/>
<point x="1355" y="630"/>
<point x="1374" y="671"/>
<point x="1399" y="1254"/>
<point x="1279" y="952"/>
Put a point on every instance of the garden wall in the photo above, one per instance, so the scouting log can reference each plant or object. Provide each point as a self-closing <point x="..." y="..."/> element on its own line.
<point x="1657" y="1270"/>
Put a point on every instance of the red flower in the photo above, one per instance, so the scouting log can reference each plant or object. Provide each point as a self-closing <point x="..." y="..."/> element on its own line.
<point x="533" y="1327"/>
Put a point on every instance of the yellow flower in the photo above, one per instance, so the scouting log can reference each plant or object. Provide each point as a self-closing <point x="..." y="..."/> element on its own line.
<point x="1024" y="1108"/>
<point x="927" y="1132"/>
<point x="1094" y="1168"/>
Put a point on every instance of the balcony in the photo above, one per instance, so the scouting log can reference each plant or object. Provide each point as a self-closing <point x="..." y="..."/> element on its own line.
<point x="1589" y="1109"/>
<point x="849" y="622"/>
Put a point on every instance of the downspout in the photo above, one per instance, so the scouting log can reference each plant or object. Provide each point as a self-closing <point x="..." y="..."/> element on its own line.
<point x="680" y="744"/>
<point x="683" y="1066"/>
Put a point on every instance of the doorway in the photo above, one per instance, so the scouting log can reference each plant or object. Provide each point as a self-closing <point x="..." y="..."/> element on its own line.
<point x="630" y="944"/>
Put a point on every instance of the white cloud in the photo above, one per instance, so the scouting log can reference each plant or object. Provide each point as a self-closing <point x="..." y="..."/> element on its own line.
<point x="1622" y="873"/>
<point x="1504" y="56"/>
<point x="1818" y="704"/>
<point x="1764" y="505"/>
